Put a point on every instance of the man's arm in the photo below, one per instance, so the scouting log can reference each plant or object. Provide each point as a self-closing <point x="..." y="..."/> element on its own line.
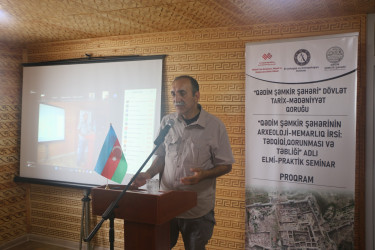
<point x="157" y="166"/>
<point x="200" y="174"/>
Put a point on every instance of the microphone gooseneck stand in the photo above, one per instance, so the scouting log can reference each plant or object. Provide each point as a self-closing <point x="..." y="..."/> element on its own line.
<point x="108" y="214"/>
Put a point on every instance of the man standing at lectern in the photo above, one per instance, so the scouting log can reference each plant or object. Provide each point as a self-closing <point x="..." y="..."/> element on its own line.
<point x="195" y="152"/>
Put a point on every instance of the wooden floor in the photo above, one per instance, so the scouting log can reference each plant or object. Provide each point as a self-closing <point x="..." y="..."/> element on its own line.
<point x="33" y="245"/>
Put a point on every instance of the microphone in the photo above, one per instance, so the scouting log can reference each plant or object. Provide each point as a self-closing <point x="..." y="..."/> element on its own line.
<point x="164" y="132"/>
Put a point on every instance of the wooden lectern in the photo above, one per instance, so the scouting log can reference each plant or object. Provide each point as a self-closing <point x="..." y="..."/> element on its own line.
<point x="146" y="216"/>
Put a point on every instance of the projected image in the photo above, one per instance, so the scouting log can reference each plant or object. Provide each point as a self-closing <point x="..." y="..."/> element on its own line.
<point x="80" y="147"/>
<point x="138" y="124"/>
<point x="51" y="126"/>
<point x="77" y="104"/>
<point x="86" y="140"/>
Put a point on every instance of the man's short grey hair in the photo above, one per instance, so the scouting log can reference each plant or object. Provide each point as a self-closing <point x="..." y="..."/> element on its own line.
<point x="193" y="81"/>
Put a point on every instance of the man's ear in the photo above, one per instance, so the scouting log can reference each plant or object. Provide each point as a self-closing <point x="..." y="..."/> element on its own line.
<point x="197" y="95"/>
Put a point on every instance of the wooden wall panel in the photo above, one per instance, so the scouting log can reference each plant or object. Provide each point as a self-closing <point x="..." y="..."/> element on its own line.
<point x="13" y="208"/>
<point x="56" y="212"/>
<point x="216" y="58"/>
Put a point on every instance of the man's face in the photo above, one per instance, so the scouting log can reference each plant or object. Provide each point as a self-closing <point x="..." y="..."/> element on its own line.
<point x="185" y="102"/>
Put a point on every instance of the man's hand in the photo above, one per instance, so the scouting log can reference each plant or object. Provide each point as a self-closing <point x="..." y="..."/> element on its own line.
<point x="194" y="179"/>
<point x="200" y="174"/>
<point x="141" y="179"/>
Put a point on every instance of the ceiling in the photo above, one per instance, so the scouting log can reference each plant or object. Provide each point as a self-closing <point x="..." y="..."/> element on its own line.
<point x="38" y="21"/>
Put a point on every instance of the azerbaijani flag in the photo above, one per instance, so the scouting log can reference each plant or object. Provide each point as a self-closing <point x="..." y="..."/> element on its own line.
<point x="111" y="162"/>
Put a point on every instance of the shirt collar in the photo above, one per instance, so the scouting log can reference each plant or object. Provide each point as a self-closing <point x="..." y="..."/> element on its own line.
<point x="202" y="119"/>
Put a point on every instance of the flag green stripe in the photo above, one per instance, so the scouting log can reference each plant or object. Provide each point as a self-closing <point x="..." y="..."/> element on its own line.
<point x="120" y="172"/>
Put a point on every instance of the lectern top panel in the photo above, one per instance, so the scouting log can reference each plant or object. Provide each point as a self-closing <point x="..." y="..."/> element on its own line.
<point x="137" y="205"/>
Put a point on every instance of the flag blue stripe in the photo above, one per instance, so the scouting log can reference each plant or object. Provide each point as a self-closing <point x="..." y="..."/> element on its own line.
<point x="106" y="150"/>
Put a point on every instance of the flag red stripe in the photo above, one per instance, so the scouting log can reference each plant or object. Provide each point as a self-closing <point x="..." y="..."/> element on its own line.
<point x="112" y="162"/>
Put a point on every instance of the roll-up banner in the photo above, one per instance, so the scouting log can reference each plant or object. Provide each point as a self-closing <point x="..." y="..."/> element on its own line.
<point x="300" y="142"/>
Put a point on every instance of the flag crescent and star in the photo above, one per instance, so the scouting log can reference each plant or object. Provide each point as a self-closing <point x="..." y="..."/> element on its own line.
<point x="111" y="162"/>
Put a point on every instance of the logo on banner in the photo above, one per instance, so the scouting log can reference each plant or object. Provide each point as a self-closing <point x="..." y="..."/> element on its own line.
<point x="302" y="57"/>
<point x="267" y="56"/>
<point x="266" y="60"/>
<point x="334" y="55"/>
<point x="266" y="65"/>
